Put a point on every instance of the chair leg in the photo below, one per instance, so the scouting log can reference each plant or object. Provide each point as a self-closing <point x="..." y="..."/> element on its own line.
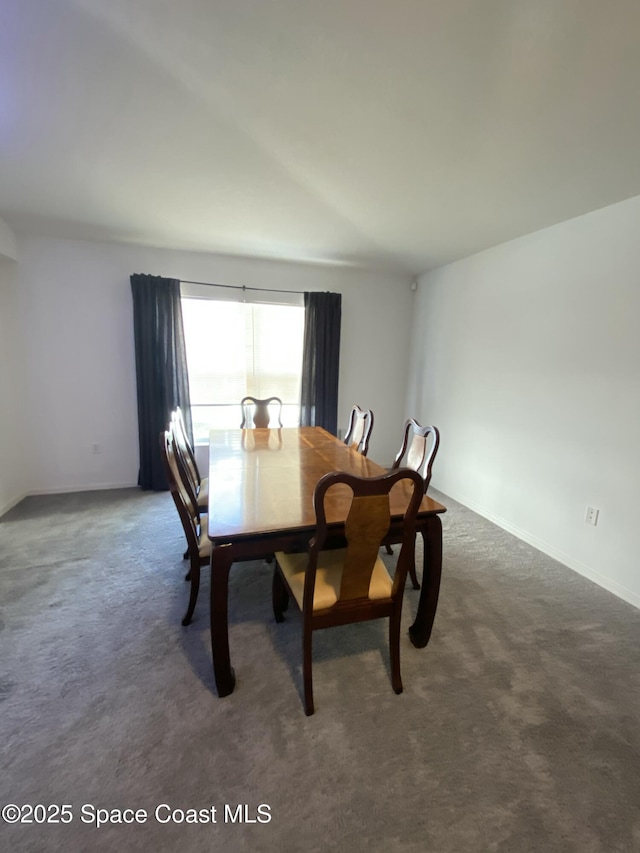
<point x="394" y="650"/>
<point x="412" y="574"/>
<point x="279" y="595"/>
<point x="415" y="583"/>
<point x="194" y="574"/>
<point x="306" y="668"/>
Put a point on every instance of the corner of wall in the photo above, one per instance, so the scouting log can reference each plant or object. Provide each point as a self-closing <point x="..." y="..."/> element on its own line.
<point x="8" y="243"/>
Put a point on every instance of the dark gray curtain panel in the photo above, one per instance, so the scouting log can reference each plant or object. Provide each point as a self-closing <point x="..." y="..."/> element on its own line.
<point x="161" y="369"/>
<point x="321" y="361"/>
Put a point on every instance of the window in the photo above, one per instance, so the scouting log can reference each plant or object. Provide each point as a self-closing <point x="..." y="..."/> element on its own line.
<point x="238" y="348"/>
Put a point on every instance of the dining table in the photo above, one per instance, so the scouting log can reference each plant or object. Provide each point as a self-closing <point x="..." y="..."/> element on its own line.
<point x="261" y="486"/>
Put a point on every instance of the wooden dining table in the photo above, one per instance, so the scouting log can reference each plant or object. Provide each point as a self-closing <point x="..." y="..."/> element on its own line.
<point x="261" y="485"/>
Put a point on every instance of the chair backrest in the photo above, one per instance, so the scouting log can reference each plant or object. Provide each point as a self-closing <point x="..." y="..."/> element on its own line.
<point x="184" y="456"/>
<point x="184" y="447"/>
<point x="359" y="429"/>
<point x="366" y="527"/>
<point x="187" y="469"/>
<point x="186" y="506"/>
<point x="419" y="447"/>
<point x="260" y="413"/>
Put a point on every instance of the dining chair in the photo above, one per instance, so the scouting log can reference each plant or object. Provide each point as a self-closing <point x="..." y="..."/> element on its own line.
<point x="194" y="523"/>
<point x="359" y="429"/>
<point x="339" y="586"/>
<point x="260" y="413"/>
<point x="198" y="485"/>
<point x="418" y="451"/>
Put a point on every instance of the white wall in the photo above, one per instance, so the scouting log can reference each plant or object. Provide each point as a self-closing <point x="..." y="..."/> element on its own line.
<point x="8" y="243"/>
<point x="527" y="356"/>
<point x="14" y="481"/>
<point x="77" y="313"/>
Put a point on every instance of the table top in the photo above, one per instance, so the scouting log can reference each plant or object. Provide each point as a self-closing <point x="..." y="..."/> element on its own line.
<point x="262" y="481"/>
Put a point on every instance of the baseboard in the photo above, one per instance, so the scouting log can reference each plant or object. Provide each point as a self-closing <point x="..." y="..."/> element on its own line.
<point x="10" y="504"/>
<point x="551" y="551"/>
<point x="95" y="487"/>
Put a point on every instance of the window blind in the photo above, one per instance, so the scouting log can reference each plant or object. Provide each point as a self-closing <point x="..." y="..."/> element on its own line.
<point x="239" y="348"/>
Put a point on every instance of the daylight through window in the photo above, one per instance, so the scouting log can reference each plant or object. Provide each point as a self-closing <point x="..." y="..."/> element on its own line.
<point x="235" y="349"/>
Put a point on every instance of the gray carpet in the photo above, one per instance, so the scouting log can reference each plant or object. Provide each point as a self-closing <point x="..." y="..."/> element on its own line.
<point x="517" y="729"/>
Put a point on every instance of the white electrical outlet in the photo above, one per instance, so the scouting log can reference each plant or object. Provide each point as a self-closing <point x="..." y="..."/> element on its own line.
<point x="591" y="515"/>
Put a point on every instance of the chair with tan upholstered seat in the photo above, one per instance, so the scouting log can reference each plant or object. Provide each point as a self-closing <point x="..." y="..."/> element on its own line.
<point x="359" y="429"/>
<point x="193" y="522"/>
<point x="261" y="413"/>
<point x="198" y="485"/>
<point x="418" y="452"/>
<point x="350" y="584"/>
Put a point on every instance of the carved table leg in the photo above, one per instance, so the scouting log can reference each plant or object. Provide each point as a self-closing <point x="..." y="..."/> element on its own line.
<point x="420" y="631"/>
<point x="221" y="560"/>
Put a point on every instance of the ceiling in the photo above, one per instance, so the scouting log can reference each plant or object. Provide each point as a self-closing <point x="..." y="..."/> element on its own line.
<point x="390" y="134"/>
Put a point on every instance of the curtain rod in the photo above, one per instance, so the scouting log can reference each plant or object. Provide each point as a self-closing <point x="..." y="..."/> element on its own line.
<point x="240" y="287"/>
